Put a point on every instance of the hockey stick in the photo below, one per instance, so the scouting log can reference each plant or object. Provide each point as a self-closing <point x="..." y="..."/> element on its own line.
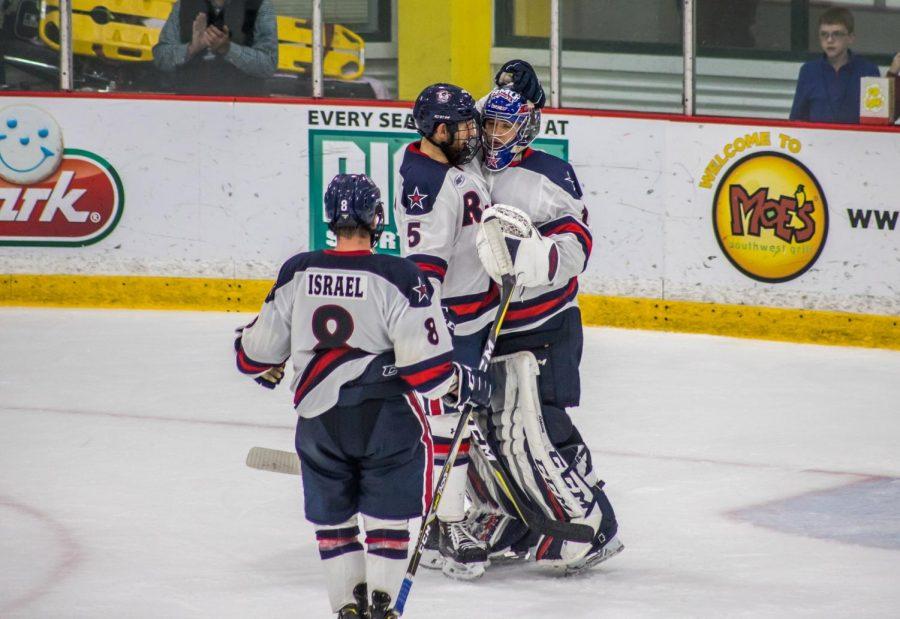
<point x="507" y="286"/>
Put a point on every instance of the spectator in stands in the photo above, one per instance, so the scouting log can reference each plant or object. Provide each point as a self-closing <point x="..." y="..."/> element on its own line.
<point x="219" y="47"/>
<point x="894" y="70"/>
<point x="828" y="87"/>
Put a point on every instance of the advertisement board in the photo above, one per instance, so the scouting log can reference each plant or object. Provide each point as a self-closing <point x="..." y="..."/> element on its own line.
<point x="715" y="212"/>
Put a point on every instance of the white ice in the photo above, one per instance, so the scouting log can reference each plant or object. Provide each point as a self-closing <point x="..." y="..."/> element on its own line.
<point x="123" y="490"/>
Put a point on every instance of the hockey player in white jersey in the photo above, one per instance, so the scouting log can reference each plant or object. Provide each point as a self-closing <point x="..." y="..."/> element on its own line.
<point x="365" y="335"/>
<point x="441" y="194"/>
<point x="539" y="350"/>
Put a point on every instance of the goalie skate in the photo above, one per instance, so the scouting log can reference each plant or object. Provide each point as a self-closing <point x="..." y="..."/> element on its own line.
<point x="600" y="551"/>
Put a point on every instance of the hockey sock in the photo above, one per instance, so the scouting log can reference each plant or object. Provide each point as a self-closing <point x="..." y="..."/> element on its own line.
<point x="343" y="560"/>
<point x="453" y="502"/>
<point x="387" y="543"/>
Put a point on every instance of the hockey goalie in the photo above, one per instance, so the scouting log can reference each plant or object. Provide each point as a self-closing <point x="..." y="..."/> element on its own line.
<point x="536" y="364"/>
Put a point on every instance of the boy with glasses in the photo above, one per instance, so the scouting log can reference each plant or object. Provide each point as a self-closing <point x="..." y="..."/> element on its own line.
<point x="828" y="87"/>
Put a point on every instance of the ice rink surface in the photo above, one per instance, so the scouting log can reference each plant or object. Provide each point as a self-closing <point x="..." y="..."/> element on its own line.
<point x="751" y="479"/>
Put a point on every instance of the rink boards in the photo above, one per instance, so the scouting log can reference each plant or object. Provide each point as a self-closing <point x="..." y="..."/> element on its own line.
<point x="770" y="230"/>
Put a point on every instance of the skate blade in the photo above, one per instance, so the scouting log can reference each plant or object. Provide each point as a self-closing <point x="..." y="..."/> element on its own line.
<point x="508" y="558"/>
<point x="613" y="548"/>
<point x="432" y="560"/>
<point x="462" y="571"/>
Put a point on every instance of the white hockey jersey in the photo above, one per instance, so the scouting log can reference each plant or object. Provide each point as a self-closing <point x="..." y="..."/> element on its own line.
<point x="546" y="188"/>
<point x="438" y="208"/>
<point x="335" y="314"/>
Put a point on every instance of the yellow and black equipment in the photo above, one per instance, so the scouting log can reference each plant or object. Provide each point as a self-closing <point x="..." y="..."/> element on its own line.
<point x="127" y="30"/>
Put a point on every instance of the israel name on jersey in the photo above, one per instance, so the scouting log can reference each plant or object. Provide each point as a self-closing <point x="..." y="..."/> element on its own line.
<point x="438" y="209"/>
<point x="546" y="189"/>
<point x="334" y="312"/>
<point x="338" y="285"/>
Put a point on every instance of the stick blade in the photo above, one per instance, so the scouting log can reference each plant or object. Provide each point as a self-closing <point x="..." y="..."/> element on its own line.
<point x="275" y="460"/>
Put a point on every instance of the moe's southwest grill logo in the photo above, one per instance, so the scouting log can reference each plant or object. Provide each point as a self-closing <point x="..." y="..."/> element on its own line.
<point x="50" y="195"/>
<point x="770" y="216"/>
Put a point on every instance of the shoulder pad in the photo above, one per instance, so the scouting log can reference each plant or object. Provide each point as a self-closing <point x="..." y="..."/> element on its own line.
<point x="422" y="179"/>
<point x="560" y="172"/>
<point x="293" y="264"/>
<point x="406" y="276"/>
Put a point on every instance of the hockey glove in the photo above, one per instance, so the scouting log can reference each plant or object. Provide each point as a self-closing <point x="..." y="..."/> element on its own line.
<point x="535" y="257"/>
<point x="473" y="388"/>
<point x="271" y="377"/>
<point x="521" y="76"/>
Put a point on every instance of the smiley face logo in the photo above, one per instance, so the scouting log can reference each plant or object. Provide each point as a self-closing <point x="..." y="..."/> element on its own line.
<point x="31" y="144"/>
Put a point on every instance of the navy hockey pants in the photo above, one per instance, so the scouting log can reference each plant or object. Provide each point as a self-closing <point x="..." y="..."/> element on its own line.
<point x="373" y="458"/>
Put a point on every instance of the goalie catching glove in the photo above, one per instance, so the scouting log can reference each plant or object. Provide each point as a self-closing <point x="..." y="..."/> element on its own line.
<point x="535" y="258"/>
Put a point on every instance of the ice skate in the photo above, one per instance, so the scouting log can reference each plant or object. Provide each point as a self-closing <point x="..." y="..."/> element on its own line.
<point x="431" y="554"/>
<point x="464" y="556"/>
<point x="381" y="606"/>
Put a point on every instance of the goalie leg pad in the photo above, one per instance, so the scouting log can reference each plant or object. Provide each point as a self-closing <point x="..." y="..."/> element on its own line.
<point x="491" y="519"/>
<point x="546" y="456"/>
<point x="562" y="490"/>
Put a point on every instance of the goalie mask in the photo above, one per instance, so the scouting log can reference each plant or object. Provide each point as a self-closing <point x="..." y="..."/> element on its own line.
<point x="509" y="124"/>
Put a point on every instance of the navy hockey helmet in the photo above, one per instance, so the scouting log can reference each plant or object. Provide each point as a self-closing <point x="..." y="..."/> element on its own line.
<point x="354" y="201"/>
<point x="510" y="124"/>
<point x="450" y="105"/>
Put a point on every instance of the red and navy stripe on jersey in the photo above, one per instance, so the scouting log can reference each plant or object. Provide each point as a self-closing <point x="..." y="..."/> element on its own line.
<point x="323" y="364"/>
<point x="431" y="266"/>
<point x="522" y="313"/>
<point x="570" y="225"/>
<point x="246" y="365"/>
<point x="470" y="307"/>
<point x="428" y="374"/>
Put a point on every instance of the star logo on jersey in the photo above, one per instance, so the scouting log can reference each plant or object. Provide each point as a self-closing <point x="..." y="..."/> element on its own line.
<point x="493" y="161"/>
<point x="571" y="180"/>
<point x="421" y="290"/>
<point x="416" y="202"/>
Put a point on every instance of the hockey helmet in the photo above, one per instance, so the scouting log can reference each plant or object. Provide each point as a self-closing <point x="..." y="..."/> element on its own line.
<point x="354" y="201"/>
<point x="450" y="105"/>
<point x="510" y="124"/>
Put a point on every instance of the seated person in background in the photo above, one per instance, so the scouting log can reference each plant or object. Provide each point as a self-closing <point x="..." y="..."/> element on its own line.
<point x="828" y="87"/>
<point x="219" y="47"/>
<point x="894" y="69"/>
